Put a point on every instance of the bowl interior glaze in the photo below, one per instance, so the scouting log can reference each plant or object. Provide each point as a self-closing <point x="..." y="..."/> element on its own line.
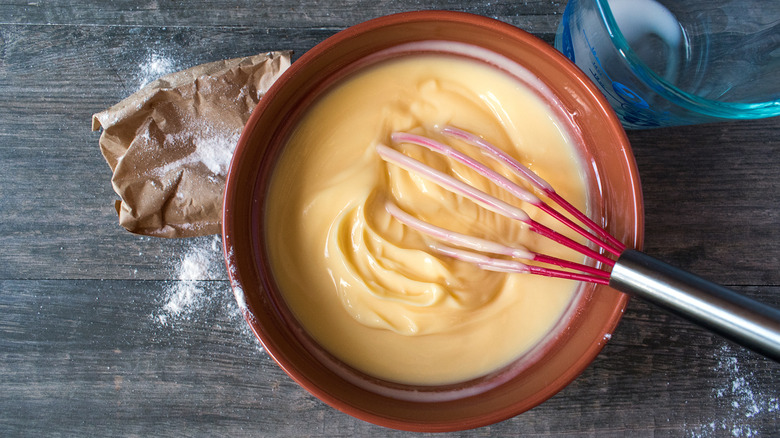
<point x="614" y="189"/>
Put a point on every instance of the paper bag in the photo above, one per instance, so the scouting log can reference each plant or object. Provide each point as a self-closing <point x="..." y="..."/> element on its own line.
<point x="170" y="144"/>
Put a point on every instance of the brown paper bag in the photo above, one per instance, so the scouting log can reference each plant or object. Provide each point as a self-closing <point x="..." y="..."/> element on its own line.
<point x="170" y="144"/>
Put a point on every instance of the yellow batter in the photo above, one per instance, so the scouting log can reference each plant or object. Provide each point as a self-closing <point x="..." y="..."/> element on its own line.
<point x="366" y="287"/>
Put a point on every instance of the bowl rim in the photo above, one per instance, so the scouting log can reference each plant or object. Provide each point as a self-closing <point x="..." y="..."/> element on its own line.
<point x="228" y="225"/>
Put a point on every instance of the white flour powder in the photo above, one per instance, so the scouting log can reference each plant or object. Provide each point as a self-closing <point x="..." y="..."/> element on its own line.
<point x="201" y="288"/>
<point x="738" y="392"/>
<point x="213" y="148"/>
<point x="199" y="264"/>
<point x="155" y="65"/>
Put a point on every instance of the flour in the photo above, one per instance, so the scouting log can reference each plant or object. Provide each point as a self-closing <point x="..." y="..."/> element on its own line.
<point x="212" y="147"/>
<point x="198" y="266"/>
<point x="201" y="288"/>
<point x="238" y="290"/>
<point x="215" y="150"/>
<point x="155" y="65"/>
<point x="741" y="392"/>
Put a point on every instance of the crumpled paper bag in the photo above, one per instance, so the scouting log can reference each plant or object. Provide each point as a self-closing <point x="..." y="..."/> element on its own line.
<point x="169" y="145"/>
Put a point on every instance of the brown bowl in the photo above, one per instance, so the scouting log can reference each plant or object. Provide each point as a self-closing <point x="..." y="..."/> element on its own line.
<point x="614" y="191"/>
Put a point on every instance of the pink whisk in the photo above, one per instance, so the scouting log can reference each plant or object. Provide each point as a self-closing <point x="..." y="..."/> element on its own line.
<point x="721" y="310"/>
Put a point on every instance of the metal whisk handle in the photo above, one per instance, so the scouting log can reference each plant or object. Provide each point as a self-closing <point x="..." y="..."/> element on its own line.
<point x="747" y="322"/>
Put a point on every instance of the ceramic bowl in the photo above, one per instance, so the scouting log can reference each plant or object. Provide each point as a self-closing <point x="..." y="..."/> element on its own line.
<point x="614" y="190"/>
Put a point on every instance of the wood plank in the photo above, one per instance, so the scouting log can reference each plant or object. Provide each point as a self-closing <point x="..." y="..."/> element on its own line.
<point x="89" y="357"/>
<point x="535" y="16"/>
<point x="711" y="194"/>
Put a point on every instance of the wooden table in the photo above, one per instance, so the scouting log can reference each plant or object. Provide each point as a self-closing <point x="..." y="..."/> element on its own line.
<point x="91" y="340"/>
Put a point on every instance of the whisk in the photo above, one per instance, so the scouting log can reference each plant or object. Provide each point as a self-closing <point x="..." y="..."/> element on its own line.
<point x="745" y="321"/>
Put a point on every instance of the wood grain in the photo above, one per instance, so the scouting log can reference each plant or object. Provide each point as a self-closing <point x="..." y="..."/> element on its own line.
<point x="89" y="345"/>
<point x="711" y="197"/>
<point x="536" y="16"/>
<point x="87" y="357"/>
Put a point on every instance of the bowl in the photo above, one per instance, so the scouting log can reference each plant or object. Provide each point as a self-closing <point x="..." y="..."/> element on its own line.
<point x="613" y="185"/>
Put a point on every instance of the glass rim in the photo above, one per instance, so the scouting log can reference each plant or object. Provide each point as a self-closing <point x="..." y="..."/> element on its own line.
<point x="691" y="101"/>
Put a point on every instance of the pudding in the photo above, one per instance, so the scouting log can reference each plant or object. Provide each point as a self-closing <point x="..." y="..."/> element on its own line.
<point x="368" y="289"/>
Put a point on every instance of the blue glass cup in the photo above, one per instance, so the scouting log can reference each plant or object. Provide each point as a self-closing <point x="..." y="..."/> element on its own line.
<point x="671" y="63"/>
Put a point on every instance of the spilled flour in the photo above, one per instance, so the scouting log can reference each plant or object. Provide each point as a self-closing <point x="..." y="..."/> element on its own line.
<point x="155" y="65"/>
<point x="202" y="289"/>
<point x="200" y="263"/>
<point x="739" y="393"/>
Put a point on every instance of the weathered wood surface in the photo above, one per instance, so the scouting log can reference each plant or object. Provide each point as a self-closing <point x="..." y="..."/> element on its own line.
<point x="89" y="344"/>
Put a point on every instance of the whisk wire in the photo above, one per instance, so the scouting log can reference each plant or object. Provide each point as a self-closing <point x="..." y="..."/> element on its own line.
<point x="498" y="206"/>
<point x="616" y="246"/>
<point x="485" y="246"/>
<point x="509" y="186"/>
<point x="502" y="265"/>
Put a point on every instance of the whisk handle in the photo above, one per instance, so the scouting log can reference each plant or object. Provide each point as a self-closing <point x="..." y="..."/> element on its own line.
<point x="747" y="322"/>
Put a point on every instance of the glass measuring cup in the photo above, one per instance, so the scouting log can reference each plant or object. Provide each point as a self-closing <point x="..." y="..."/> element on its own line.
<point x="668" y="63"/>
